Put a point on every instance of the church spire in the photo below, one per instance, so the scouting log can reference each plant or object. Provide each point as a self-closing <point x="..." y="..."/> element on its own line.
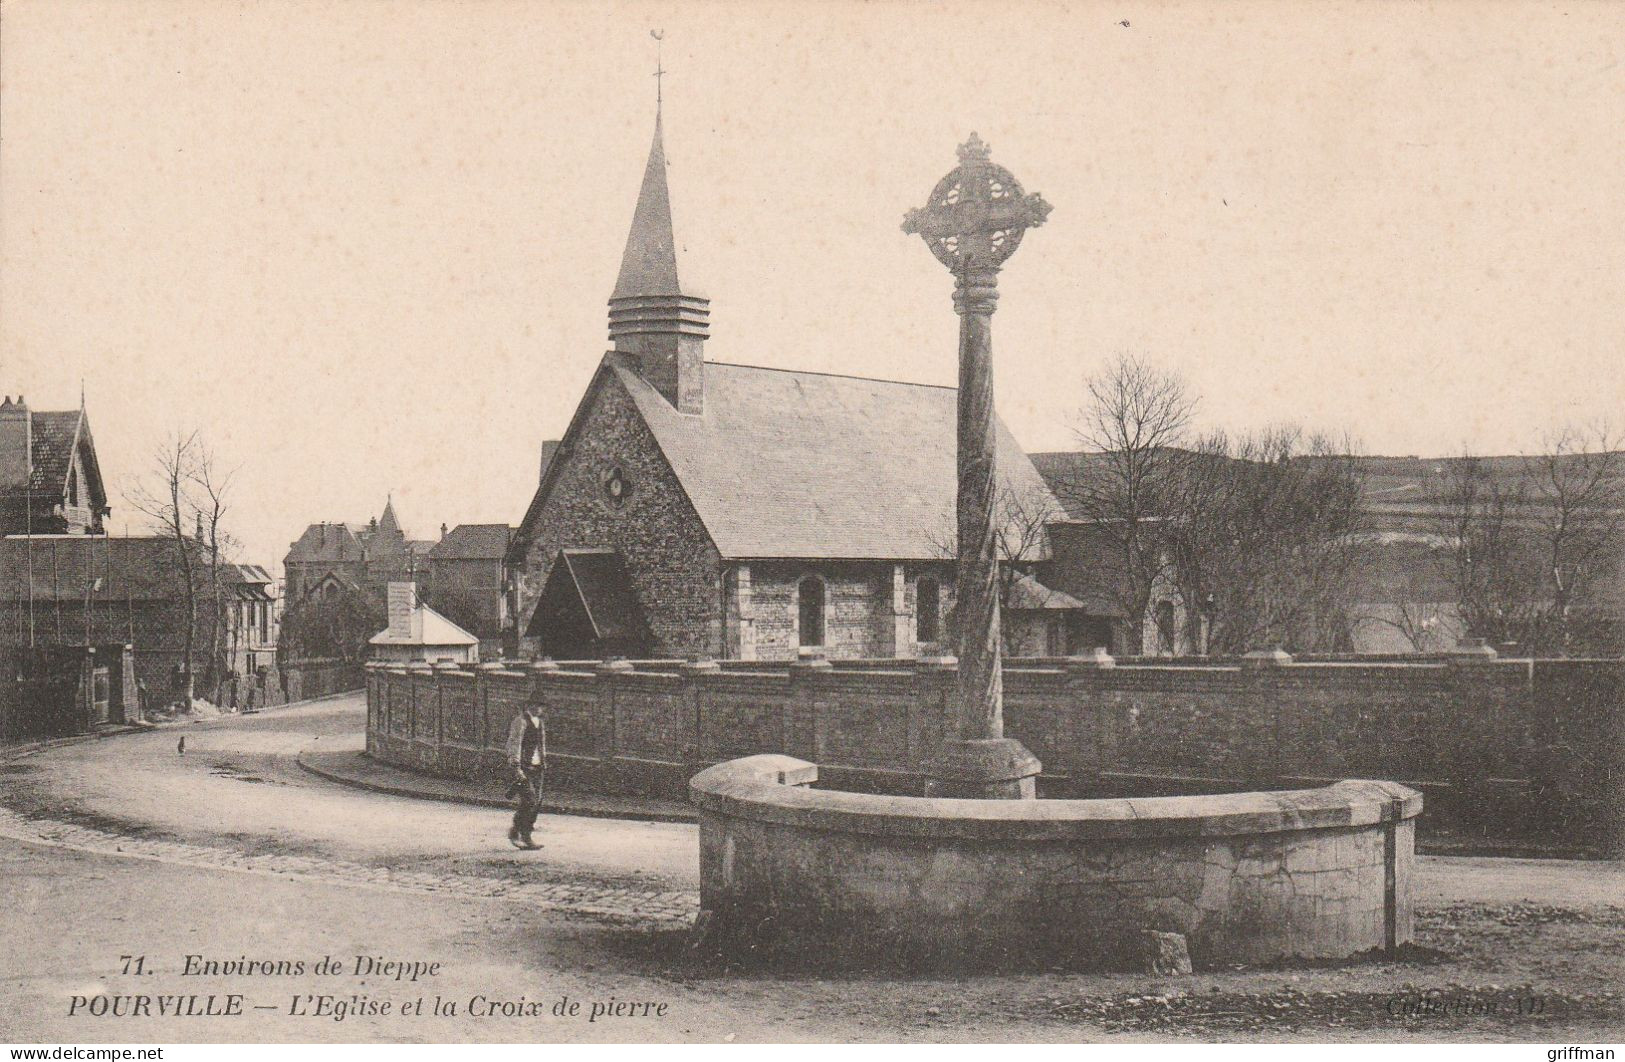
<point x="649" y="264"/>
<point x="651" y="318"/>
<point x="388" y="523"/>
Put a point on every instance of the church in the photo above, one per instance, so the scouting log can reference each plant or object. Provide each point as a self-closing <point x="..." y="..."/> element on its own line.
<point x="331" y="558"/>
<point x="698" y="508"/>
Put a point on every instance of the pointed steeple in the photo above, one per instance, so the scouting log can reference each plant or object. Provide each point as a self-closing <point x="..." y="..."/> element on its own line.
<point x="387" y="523"/>
<point x="649" y="264"/>
<point x="651" y="318"/>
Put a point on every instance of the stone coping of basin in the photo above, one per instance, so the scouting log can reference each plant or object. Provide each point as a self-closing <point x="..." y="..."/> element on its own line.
<point x="773" y="788"/>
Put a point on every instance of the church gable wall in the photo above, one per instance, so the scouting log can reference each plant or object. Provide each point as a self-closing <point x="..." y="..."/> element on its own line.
<point x="670" y="560"/>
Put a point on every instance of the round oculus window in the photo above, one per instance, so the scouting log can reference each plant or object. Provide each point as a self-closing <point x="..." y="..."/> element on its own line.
<point x="616" y="486"/>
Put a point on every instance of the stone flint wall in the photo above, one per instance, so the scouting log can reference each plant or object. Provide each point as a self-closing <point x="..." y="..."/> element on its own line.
<point x="789" y="871"/>
<point x="303" y="680"/>
<point x="1514" y="746"/>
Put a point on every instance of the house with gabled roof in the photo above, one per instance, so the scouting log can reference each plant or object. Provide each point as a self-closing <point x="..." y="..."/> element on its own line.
<point x="466" y="569"/>
<point x="252" y="622"/>
<point x="65" y="583"/>
<point x="331" y="557"/>
<point x="50" y="480"/>
<point x="706" y="508"/>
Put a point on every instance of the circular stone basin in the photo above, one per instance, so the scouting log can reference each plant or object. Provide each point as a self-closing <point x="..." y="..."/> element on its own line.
<point x="792" y="871"/>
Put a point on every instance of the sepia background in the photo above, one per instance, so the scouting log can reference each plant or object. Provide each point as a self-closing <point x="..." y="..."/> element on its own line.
<point x="365" y="247"/>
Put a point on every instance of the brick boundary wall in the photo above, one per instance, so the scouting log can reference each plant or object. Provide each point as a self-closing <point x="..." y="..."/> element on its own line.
<point x="1514" y="747"/>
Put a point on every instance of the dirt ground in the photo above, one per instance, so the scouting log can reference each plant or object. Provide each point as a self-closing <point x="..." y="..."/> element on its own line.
<point x="1507" y="950"/>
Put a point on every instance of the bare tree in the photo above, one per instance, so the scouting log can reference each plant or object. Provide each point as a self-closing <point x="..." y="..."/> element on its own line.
<point x="1532" y="541"/>
<point x="1265" y="535"/>
<point x="211" y="488"/>
<point x="167" y="502"/>
<point x="185" y="498"/>
<point x="1490" y="552"/>
<point x="1578" y="485"/>
<point x="1134" y="428"/>
<point x="1425" y="625"/>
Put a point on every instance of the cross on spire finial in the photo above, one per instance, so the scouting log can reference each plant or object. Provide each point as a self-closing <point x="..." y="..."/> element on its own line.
<point x="660" y="71"/>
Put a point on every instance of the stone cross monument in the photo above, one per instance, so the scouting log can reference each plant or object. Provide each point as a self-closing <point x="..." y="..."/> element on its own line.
<point x="974" y="220"/>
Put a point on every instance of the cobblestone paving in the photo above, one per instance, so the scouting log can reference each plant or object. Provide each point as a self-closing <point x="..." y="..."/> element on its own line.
<point x="622" y="905"/>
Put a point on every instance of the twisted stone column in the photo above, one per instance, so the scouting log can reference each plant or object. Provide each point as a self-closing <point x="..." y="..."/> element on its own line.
<point x="980" y="712"/>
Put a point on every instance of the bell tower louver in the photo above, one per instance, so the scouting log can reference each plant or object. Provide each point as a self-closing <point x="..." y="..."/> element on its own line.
<point x="651" y="318"/>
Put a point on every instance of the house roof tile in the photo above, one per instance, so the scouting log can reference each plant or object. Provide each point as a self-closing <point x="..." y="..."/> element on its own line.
<point x="473" y="542"/>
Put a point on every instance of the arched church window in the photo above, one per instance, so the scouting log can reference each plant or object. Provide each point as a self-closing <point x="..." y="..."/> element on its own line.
<point x="810" y="595"/>
<point x="927" y="610"/>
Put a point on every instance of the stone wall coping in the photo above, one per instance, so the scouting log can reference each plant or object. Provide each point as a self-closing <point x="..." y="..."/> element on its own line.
<point x="643" y="678"/>
<point x="1035" y="664"/>
<point x="1086" y="669"/>
<point x="751" y="788"/>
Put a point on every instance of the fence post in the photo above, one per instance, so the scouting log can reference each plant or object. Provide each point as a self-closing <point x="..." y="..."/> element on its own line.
<point x="695" y="673"/>
<point x="482" y="699"/>
<point x="1263" y="671"/>
<point x="443" y="671"/>
<point x="604" y="721"/>
<point x="800" y="734"/>
<point x="1079" y="684"/>
<point x="934" y="682"/>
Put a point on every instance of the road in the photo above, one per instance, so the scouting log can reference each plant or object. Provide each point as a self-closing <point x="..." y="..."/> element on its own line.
<point x="125" y="847"/>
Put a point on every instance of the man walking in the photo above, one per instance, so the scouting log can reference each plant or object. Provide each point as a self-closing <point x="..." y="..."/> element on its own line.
<point x="527" y="753"/>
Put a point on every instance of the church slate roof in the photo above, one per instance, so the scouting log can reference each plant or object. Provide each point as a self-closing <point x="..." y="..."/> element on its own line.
<point x="808" y="465"/>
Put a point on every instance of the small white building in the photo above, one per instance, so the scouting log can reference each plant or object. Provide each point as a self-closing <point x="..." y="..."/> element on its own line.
<point x="418" y="632"/>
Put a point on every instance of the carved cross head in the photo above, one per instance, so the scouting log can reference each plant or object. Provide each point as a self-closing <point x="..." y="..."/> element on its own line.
<point x="977" y="214"/>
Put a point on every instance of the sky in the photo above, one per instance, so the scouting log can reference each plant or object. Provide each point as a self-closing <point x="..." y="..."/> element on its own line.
<point x="364" y="248"/>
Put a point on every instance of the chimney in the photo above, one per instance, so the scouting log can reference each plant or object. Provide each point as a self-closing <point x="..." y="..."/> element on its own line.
<point x="403" y="601"/>
<point x="549" y="448"/>
<point x="651" y="318"/>
<point x="16" y="443"/>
